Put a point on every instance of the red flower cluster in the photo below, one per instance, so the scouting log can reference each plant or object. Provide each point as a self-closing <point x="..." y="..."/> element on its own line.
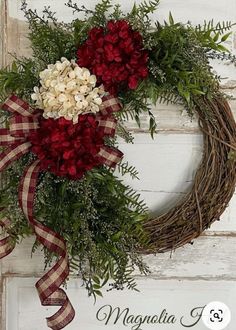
<point x="68" y="149"/>
<point x="115" y="55"/>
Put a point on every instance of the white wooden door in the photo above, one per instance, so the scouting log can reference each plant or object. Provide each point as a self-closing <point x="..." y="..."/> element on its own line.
<point x="187" y="279"/>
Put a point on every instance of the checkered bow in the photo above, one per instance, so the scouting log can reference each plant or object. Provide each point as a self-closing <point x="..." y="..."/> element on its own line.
<point x="23" y="120"/>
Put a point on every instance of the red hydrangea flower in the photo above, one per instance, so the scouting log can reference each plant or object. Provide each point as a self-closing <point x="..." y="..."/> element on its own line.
<point x="115" y="55"/>
<point x="68" y="149"/>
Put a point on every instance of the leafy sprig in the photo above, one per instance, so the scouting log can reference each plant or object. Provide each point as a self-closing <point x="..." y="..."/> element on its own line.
<point x="100" y="218"/>
<point x="50" y="40"/>
<point x="125" y="168"/>
<point x="20" y="77"/>
<point x="179" y="53"/>
<point x="210" y="26"/>
<point x="77" y="9"/>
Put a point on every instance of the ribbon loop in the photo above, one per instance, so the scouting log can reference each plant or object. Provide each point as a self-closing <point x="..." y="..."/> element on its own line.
<point x="22" y="126"/>
<point x="15" y="104"/>
<point x="110" y="156"/>
<point x="110" y="104"/>
<point x="6" y="138"/>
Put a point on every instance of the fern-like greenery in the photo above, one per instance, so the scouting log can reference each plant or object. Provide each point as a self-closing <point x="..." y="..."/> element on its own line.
<point x="125" y="168"/>
<point x="181" y="54"/>
<point x="50" y="39"/>
<point x="20" y="77"/>
<point x="100" y="218"/>
<point x="210" y="26"/>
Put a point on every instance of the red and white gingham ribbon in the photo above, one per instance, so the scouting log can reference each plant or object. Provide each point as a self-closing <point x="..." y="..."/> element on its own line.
<point x="23" y="121"/>
<point x="49" y="285"/>
<point x="108" y="155"/>
<point x="6" y="245"/>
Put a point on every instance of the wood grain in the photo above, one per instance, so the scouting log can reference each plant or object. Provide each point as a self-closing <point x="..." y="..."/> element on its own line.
<point x="177" y="297"/>
<point x="188" y="262"/>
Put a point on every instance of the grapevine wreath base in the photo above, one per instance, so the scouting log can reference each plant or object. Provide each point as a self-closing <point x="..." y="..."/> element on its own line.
<point x="62" y="111"/>
<point x="213" y="185"/>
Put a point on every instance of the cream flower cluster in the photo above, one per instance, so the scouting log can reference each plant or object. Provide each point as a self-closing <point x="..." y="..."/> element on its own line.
<point x="67" y="90"/>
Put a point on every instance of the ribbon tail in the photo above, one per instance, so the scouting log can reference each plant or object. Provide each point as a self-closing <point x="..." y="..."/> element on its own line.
<point x="6" y="245"/>
<point x="63" y="317"/>
<point x="13" y="153"/>
<point x="48" y="286"/>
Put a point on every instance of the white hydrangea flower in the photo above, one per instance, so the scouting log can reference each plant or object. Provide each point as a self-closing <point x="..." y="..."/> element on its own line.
<point x="68" y="91"/>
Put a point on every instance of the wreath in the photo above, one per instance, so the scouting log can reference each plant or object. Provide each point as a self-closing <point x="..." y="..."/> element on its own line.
<point x="62" y="112"/>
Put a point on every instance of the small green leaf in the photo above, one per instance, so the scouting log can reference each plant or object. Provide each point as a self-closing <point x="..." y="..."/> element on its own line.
<point x="171" y="20"/>
<point x="14" y="66"/>
<point x="137" y="120"/>
<point x="226" y="36"/>
<point x="117" y="236"/>
<point x="187" y="96"/>
<point x="98" y="293"/>
<point x="222" y="48"/>
<point x="197" y="92"/>
<point x="105" y="280"/>
<point x="62" y="189"/>
<point x="216" y="37"/>
<point x="96" y="280"/>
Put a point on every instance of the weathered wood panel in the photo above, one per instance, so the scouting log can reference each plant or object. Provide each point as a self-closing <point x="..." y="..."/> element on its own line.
<point x="173" y="297"/>
<point x="167" y="166"/>
<point x="190" y="261"/>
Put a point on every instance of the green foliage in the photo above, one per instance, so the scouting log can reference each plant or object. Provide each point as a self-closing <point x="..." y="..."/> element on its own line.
<point x="139" y="18"/>
<point x="117" y="12"/>
<point x="20" y="78"/>
<point x="181" y="54"/>
<point x="211" y="37"/>
<point x="220" y="27"/>
<point x="100" y="218"/>
<point x="143" y="10"/>
<point x="49" y="38"/>
<point x="122" y="132"/>
<point x="99" y="17"/>
<point x="96" y="17"/>
<point x="125" y="168"/>
<point x="137" y="102"/>
<point x="148" y="7"/>
<point x="81" y="30"/>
